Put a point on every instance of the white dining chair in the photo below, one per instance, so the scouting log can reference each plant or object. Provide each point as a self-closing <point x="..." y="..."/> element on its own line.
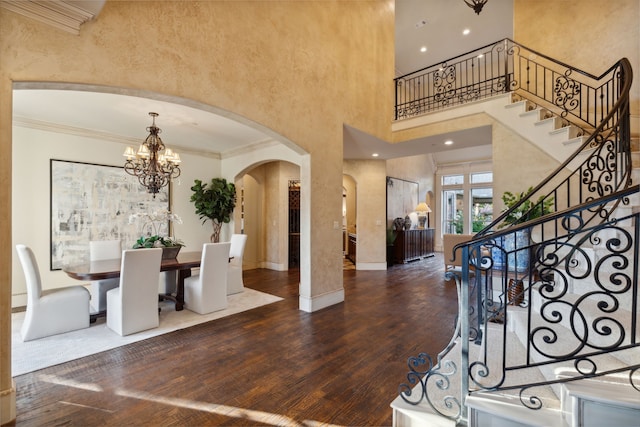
<point x="133" y="306"/>
<point x="54" y="312"/>
<point x="100" y="250"/>
<point x="235" y="283"/>
<point x="206" y="291"/>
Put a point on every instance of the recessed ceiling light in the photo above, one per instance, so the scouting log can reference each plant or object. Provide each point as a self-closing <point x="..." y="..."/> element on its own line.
<point x="466" y="31"/>
<point x="375" y="155"/>
<point x="481" y="56"/>
<point x="448" y="142"/>
<point x="423" y="49"/>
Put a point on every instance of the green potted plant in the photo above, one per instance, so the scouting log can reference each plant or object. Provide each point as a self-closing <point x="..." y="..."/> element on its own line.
<point x="214" y="201"/>
<point x="529" y="208"/>
<point x="391" y="238"/>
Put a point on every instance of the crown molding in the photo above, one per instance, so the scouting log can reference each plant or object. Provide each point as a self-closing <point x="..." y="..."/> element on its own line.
<point x="265" y="143"/>
<point x="64" y="15"/>
<point x="97" y="135"/>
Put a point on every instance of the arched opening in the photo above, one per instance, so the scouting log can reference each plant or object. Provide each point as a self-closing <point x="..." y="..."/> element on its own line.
<point x="80" y="131"/>
<point x="264" y="191"/>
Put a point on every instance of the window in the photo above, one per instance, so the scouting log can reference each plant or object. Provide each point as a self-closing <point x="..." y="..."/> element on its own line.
<point x="467" y="202"/>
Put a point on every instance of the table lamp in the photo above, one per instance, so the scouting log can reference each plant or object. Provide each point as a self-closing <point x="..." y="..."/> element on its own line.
<point x="423" y="211"/>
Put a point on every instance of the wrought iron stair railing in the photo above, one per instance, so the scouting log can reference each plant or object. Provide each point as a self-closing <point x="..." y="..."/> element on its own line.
<point x="576" y="313"/>
<point x="569" y="278"/>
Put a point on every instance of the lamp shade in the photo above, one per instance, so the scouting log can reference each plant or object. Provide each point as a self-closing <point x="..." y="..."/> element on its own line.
<point x="423" y="207"/>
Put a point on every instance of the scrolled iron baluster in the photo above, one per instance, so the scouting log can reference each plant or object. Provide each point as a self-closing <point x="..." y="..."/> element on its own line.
<point x="531" y="402"/>
<point x="602" y="326"/>
<point x="567" y="91"/>
<point x="632" y="376"/>
<point x="439" y="375"/>
<point x="585" y="366"/>
<point x="414" y="376"/>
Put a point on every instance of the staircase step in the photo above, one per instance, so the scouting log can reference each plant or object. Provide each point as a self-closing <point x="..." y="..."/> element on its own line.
<point x="502" y="412"/>
<point x="617" y="404"/>
<point x="520" y="107"/>
<point x="551" y="124"/>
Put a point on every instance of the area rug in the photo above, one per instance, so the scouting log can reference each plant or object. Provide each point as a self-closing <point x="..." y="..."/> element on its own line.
<point x="44" y="352"/>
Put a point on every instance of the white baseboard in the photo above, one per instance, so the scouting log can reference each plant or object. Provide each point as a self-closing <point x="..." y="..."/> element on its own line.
<point x="274" y="266"/>
<point x="371" y="266"/>
<point x="321" y="301"/>
<point x="19" y="300"/>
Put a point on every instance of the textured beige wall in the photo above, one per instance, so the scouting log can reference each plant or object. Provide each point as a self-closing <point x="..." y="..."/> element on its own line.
<point x="253" y="218"/>
<point x="415" y="168"/>
<point x="591" y="35"/>
<point x="369" y="177"/>
<point x="273" y="198"/>
<point x="517" y="164"/>
<point x="299" y="69"/>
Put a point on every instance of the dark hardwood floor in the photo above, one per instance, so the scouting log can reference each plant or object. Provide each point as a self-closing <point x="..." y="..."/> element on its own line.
<point x="274" y="365"/>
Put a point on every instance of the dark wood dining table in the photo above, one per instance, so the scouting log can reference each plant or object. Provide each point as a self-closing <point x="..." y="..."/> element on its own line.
<point x="110" y="268"/>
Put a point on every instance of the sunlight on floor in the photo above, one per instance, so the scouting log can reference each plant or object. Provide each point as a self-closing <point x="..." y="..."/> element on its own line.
<point x="228" y="411"/>
<point x="54" y="379"/>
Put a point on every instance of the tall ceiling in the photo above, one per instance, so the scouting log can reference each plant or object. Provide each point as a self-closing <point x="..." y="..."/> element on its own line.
<point x="435" y="24"/>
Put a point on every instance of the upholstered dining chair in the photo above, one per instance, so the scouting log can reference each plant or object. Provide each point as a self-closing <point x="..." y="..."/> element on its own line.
<point x="54" y="312"/>
<point x="206" y="291"/>
<point x="99" y="250"/>
<point x="133" y="306"/>
<point x="235" y="284"/>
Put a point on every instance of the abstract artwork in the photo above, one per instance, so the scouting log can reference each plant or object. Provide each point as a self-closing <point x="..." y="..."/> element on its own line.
<point x="94" y="202"/>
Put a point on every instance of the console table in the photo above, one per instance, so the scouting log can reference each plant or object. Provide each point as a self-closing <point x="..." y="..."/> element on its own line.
<point x="411" y="245"/>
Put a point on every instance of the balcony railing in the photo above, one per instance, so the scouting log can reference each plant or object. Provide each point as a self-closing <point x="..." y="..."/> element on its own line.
<point x="506" y="66"/>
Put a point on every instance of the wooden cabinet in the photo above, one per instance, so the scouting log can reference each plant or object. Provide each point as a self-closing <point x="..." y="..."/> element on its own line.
<point x="411" y="245"/>
<point x="353" y="242"/>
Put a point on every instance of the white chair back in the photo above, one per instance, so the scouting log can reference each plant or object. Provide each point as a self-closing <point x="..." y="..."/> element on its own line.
<point x="99" y="250"/>
<point x="31" y="273"/>
<point x="59" y="310"/>
<point x="238" y="242"/>
<point x="235" y="282"/>
<point x="207" y="292"/>
<point x="104" y="249"/>
<point x="133" y="307"/>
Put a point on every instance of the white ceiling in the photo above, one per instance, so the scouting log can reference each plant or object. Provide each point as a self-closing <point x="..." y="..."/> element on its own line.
<point x="436" y="24"/>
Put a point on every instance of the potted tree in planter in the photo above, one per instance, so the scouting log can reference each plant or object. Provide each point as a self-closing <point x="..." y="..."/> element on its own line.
<point x="527" y="211"/>
<point x="215" y="202"/>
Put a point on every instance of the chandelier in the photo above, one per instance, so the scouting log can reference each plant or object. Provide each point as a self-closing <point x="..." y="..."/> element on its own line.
<point x="476" y="5"/>
<point x="153" y="164"/>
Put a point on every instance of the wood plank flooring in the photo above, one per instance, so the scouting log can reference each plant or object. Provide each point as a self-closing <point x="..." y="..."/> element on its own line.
<point x="274" y="365"/>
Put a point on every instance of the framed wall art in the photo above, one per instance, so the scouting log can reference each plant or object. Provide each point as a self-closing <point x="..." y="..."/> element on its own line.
<point x="94" y="202"/>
